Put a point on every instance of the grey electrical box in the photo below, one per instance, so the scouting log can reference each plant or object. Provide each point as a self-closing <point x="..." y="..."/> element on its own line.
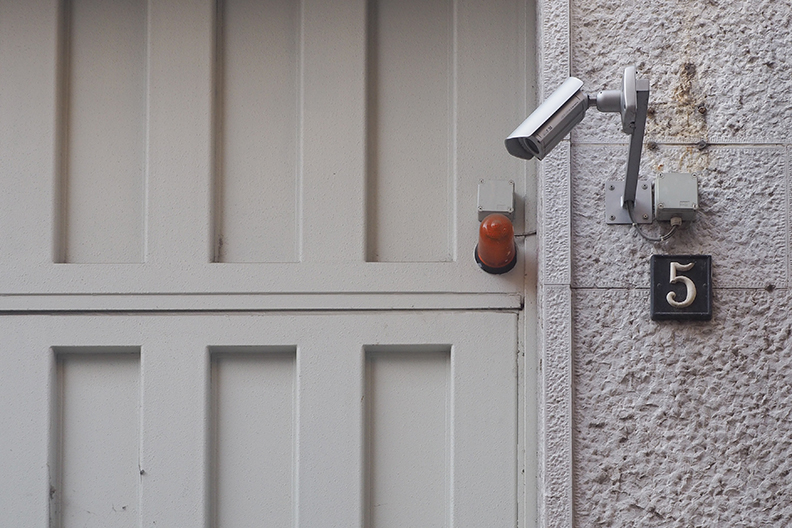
<point x="676" y="194"/>
<point x="495" y="196"/>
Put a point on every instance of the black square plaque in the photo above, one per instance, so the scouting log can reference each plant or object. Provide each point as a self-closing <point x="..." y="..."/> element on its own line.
<point x="681" y="287"/>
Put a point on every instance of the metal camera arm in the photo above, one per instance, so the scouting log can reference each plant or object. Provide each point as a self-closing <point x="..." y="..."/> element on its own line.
<point x="638" y="89"/>
<point x="632" y="101"/>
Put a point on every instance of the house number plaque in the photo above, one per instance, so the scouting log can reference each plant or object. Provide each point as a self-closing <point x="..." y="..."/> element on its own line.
<point x="681" y="287"/>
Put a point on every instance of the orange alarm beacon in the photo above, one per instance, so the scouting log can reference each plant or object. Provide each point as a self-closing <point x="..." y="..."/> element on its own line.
<point x="496" y="251"/>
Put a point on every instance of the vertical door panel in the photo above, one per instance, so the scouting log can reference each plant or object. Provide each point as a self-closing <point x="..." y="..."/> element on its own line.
<point x="410" y="121"/>
<point x="408" y="436"/>
<point x="258" y="131"/>
<point x="493" y="93"/>
<point x="253" y="396"/>
<point x="98" y="437"/>
<point x="104" y="133"/>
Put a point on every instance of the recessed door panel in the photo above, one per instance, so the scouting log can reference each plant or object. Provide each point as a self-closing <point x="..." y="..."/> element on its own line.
<point x="257" y="142"/>
<point x="410" y="123"/>
<point x="98" y="436"/>
<point x="408" y="436"/>
<point x="103" y="131"/>
<point x="252" y="430"/>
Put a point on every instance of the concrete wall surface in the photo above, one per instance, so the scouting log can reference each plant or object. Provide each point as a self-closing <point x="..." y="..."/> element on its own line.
<point x="669" y="423"/>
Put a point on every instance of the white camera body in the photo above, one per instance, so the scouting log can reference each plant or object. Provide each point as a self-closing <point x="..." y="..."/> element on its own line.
<point x="550" y="122"/>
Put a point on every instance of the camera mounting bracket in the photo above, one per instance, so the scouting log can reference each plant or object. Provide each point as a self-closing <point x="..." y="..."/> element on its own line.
<point x="634" y="107"/>
<point x="615" y="214"/>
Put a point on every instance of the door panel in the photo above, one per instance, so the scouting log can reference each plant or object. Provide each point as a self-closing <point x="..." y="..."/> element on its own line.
<point x="410" y="120"/>
<point x="312" y="420"/>
<point x="252" y="416"/>
<point x="257" y="137"/>
<point x="103" y="131"/>
<point x="408" y="431"/>
<point x="337" y="151"/>
<point x="97" y="434"/>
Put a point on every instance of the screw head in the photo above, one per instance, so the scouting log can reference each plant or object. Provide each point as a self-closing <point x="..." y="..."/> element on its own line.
<point x="660" y="206"/>
<point x="646" y="216"/>
<point x="695" y="206"/>
<point x="480" y="208"/>
<point x="612" y="218"/>
<point x="611" y="187"/>
<point x="644" y="186"/>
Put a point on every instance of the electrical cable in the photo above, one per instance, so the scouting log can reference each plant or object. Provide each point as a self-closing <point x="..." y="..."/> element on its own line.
<point x="662" y="238"/>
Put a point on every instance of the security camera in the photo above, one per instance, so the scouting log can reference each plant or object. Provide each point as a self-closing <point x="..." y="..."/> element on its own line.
<point x="548" y="124"/>
<point x="564" y="109"/>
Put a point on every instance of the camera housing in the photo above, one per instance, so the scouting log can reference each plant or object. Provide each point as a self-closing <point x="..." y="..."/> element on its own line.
<point x="550" y="122"/>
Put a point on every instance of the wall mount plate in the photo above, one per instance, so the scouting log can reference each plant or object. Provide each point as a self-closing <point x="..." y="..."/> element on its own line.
<point x="616" y="214"/>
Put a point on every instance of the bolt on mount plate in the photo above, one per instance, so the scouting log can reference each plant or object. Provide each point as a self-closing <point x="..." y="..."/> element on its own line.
<point x="618" y="215"/>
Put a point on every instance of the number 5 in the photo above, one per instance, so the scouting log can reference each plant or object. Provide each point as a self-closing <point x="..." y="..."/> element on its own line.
<point x="690" y="293"/>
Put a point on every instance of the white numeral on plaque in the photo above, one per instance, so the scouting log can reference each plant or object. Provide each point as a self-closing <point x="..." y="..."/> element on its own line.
<point x="690" y="294"/>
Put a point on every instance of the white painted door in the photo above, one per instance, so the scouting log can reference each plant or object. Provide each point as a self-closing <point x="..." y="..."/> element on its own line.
<point x="237" y="285"/>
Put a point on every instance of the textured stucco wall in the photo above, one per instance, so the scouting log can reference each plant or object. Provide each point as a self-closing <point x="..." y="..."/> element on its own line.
<point x="669" y="424"/>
